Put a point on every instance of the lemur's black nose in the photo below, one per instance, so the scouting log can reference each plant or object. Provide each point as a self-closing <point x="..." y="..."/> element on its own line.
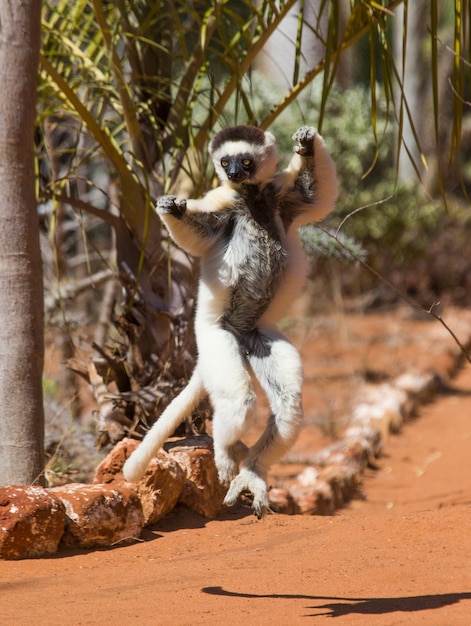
<point x="236" y="174"/>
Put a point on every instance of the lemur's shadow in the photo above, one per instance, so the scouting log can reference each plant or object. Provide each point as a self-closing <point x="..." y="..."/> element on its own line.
<point x="338" y="607"/>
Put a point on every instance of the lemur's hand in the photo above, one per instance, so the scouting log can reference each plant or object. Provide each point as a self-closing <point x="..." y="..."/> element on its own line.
<point x="305" y="138"/>
<point x="169" y="205"/>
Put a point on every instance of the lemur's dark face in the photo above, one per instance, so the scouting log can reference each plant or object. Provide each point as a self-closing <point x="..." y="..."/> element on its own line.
<point x="238" y="167"/>
<point x="244" y="154"/>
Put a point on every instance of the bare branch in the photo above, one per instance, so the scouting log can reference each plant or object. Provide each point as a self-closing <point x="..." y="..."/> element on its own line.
<point x="106" y="216"/>
<point x="412" y="303"/>
<point x="70" y="289"/>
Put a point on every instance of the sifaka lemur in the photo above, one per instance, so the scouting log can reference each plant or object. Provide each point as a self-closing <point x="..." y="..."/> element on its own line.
<point x="252" y="268"/>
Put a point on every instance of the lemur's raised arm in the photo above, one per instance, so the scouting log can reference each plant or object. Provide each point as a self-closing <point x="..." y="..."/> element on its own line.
<point x="252" y="267"/>
<point x="308" y="186"/>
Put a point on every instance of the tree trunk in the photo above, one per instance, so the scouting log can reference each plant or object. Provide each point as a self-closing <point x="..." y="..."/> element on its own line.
<point x="277" y="59"/>
<point x="416" y="69"/>
<point x="21" y="291"/>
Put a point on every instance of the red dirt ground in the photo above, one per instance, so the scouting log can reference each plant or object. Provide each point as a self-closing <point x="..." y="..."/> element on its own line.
<point x="399" y="554"/>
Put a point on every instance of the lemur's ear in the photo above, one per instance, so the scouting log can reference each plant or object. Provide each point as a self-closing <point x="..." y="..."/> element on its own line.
<point x="269" y="139"/>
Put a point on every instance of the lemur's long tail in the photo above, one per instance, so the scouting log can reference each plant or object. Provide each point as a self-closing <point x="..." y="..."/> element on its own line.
<point x="171" y="418"/>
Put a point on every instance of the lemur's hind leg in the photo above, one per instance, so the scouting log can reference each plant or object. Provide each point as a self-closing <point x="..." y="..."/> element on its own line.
<point x="180" y="408"/>
<point x="277" y="365"/>
<point x="229" y="386"/>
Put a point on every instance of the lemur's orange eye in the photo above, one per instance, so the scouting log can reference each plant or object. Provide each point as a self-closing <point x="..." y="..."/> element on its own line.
<point x="246" y="162"/>
<point x="224" y="163"/>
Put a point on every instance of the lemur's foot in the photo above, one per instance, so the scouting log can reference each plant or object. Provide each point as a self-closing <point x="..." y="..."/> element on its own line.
<point x="227" y="470"/>
<point x="305" y="138"/>
<point x="248" y="480"/>
<point x="228" y="460"/>
<point x="169" y="205"/>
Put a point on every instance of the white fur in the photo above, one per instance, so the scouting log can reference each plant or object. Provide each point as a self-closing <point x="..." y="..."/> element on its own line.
<point x="324" y="202"/>
<point x="215" y="200"/>
<point x="221" y="370"/>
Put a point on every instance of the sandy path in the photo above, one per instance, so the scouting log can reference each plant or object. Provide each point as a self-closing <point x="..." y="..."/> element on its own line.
<point x="400" y="556"/>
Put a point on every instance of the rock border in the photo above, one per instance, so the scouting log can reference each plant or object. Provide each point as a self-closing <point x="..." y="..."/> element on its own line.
<point x="37" y="521"/>
<point x="332" y="475"/>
